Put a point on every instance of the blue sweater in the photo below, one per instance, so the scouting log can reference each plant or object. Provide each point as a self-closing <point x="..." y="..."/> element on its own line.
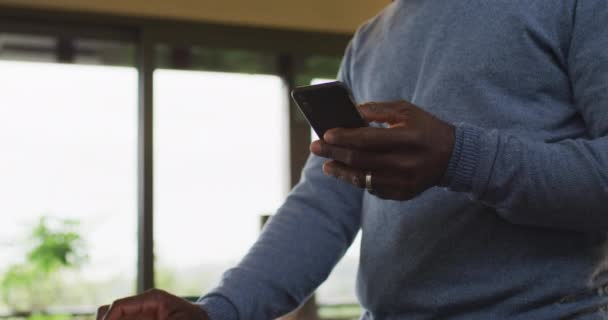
<point x="518" y="228"/>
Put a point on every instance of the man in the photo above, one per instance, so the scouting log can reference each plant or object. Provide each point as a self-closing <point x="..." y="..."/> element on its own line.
<point x="490" y="208"/>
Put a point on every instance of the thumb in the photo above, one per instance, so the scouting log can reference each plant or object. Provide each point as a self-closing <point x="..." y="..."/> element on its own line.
<point x="101" y="312"/>
<point x="386" y="112"/>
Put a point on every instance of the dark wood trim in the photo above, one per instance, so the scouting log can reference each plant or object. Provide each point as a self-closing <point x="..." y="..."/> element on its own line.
<point x="170" y="31"/>
<point x="12" y="21"/>
<point x="65" y="50"/>
<point x="145" y="61"/>
<point x="299" y="130"/>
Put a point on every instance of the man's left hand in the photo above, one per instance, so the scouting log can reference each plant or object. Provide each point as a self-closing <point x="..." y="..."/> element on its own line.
<point x="152" y="305"/>
<point x="405" y="159"/>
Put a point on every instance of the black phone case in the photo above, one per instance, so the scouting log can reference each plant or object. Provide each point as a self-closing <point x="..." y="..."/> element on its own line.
<point x="327" y="106"/>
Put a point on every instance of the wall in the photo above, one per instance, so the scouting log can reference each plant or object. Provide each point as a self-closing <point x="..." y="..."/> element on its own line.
<point x="342" y="16"/>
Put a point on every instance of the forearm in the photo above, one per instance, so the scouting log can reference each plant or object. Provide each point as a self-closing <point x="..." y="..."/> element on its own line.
<point x="560" y="185"/>
<point x="297" y="249"/>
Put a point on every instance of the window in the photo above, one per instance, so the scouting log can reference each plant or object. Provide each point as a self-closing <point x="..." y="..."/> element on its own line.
<point x="221" y="163"/>
<point x="68" y="168"/>
<point x="69" y="124"/>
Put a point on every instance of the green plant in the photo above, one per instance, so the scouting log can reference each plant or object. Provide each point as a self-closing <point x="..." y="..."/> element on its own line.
<point x="47" y="317"/>
<point x="52" y="246"/>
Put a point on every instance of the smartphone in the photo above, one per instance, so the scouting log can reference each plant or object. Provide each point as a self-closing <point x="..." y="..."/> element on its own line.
<point x="327" y="106"/>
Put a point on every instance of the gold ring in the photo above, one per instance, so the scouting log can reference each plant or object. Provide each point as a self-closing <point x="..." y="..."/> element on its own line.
<point x="368" y="182"/>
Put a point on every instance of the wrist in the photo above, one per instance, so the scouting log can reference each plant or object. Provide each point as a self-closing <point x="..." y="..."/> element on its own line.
<point x="445" y="152"/>
<point x="217" y="307"/>
<point x="464" y="159"/>
<point x="204" y="314"/>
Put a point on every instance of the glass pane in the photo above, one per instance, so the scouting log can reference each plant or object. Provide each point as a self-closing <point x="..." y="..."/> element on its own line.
<point x="221" y="162"/>
<point x="27" y="47"/>
<point x="89" y="51"/>
<point x="24" y="47"/>
<point x="317" y="67"/>
<point x="215" y="59"/>
<point x="68" y="186"/>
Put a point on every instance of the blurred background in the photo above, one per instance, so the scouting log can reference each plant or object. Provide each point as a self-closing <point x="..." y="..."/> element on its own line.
<point x="143" y="143"/>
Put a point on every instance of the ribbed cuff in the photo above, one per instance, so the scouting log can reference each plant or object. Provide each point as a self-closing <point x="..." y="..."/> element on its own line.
<point x="218" y="308"/>
<point x="465" y="159"/>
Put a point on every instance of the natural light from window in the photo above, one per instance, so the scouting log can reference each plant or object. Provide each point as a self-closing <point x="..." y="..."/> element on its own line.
<point x="68" y="151"/>
<point x="68" y="135"/>
<point x="221" y="162"/>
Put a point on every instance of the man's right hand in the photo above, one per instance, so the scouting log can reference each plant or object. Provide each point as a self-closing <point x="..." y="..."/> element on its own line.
<point x="153" y="304"/>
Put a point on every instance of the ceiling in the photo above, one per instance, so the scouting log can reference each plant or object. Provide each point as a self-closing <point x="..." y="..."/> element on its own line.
<point x="336" y="16"/>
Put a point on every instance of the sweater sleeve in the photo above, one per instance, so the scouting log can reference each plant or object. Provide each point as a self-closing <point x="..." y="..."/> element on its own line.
<point x="296" y="250"/>
<point x="558" y="185"/>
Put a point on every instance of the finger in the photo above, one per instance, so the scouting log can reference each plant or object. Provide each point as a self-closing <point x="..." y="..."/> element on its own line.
<point x="371" y="138"/>
<point x="101" y="312"/>
<point x="395" y="194"/>
<point x="398" y="112"/>
<point x="133" y="307"/>
<point x="361" y="159"/>
<point x="345" y="173"/>
<point x="381" y="182"/>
